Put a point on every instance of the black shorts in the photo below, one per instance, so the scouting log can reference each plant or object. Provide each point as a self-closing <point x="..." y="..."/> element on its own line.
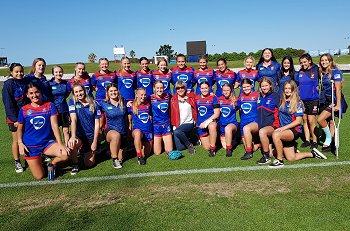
<point x="12" y="128"/>
<point x="288" y="144"/>
<point x="63" y="119"/>
<point x="311" y="107"/>
<point x="327" y="106"/>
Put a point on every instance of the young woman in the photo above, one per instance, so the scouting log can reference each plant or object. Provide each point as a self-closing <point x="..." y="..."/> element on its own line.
<point x="203" y="73"/>
<point x="36" y="76"/>
<point x="329" y="72"/>
<point x="114" y="109"/>
<point x="183" y="116"/>
<point x="248" y="73"/>
<point x="287" y="72"/>
<point x="102" y="78"/>
<point x="82" y="77"/>
<point x="208" y="110"/>
<point x="268" y="104"/>
<point x="13" y="97"/>
<point x="163" y="74"/>
<point x="38" y="132"/>
<point x="290" y="115"/>
<point x="60" y="93"/>
<point x="126" y="80"/>
<point x="222" y="76"/>
<point x="227" y="122"/>
<point x="307" y="81"/>
<point x="145" y="77"/>
<point x="247" y="104"/>
<point x="183" y="72"/>
<point x="85" y="126"/>
<point x="142" y="125"/>
<point x="160" y="102"/>
<point x="268" y="66"/>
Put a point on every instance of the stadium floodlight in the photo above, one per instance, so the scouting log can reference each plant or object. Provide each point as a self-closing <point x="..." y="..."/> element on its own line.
<point x="336" y="125"/>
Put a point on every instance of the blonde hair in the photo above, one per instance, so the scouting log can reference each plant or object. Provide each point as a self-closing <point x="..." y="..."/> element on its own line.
<point x="232" y="95"/>
<point x="136" y="104"/>
<point x="267" y="80"/>
<point x="88" y="99"/>
<point x="294" y="99"/>
<point x="329" y="70"/>
<point x="121" y="64"/>
<point x="180" y="83"/>
<point x="119" y="97"/>
<point x="249" y="57"/>
<point x="32" y="70"/>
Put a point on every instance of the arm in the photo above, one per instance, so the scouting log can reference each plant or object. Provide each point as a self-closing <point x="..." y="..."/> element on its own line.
<point x="338" y="95"/>
<point x="73" y="126"/>
<point x="9" y="103"/>
<point x="96" y="132"/>
<point x="22" y="148"/>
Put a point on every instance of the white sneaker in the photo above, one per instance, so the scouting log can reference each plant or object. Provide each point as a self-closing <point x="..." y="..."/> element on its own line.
<point x="318" y="154"/>
<point x="19" y="167"/>
<point x="117" y="164"/>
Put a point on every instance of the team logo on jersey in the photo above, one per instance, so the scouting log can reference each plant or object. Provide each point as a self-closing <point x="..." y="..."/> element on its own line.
<point x="183" y="77"/>
<point x="38" y="122"/>
<point x="225" y="111"/>
<point x="128" y="83"/>
<point x="202" y="80"/>
<point x="144" y="117"/>
<point x="272" y="68"/>
<point x="105" y="84"/>
<point x="261" y="68"/>
<point x="165" y="84"/>
<point x="157" y="76"/>
<point x="243" y="75"/>
<point x="139" y="75"/>
<point x="197" y="74"/>
<point x="54" y="87"/>
<point x="207" y="74"/>
<point x="300" y="75"/>
<point x="109" y="107"/>
<point x="246" y="108"/>
<point x="202" y="110"/>
<point x="312" y="75"/>
<point x="268" y="101"/>
<point x="300" y="109"/>
<point x="163" y="107"/>
<point x="337" y="76"/>
<point x="223" y="82"/>
<point x="219" y="75"/>
<point x="29" y="112"/>
<point x="87" y="88"/>
<point x="145" y="82"/>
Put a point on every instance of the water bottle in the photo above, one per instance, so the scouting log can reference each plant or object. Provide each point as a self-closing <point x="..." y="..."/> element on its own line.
<point x="50" y="172"/>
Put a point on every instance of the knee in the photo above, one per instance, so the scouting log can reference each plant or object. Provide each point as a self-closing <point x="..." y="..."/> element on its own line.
<point x="38" y="176"/>
<point x="246" y="130"/>
<point x="276" y="136"/>
<point x="262" y="133"/>
<point x="212" y="126"/>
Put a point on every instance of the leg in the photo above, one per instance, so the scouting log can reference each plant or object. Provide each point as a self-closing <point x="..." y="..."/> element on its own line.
<point x="205" y="142"/>
<point x="157" y="147"/>
<point x="180" y="136"/>
<point x="36" y="167"/>
<point x="292" y="156"/>
<point x="264" y="134"/>
<point x="322" y="121"/>
<point x="278" y="137"/>
<point x="213" y="133"/>
<point x="312" y="123"/>
<point x="168" y="143"/>
<point x="230" y="129"/>
<point x="137" y="135"/>
<point x="65" y="131"/>
<point x="306" y="128"/>
<point x="14" y="146"/>
<point x="248" y="131"/>
<point x="57" y="152"/>
<point x="114" y="139"/>
<point x="146" y="147"/>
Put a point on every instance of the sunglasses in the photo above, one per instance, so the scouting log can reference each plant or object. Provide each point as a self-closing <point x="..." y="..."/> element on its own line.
<point x="178" y="88"/>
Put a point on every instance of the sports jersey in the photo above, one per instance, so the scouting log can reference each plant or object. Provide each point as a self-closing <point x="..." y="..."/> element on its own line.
<point x="227" y="111"/>
<point x="60" y="93"/>
<point x="85" y="119"/>
<point x="205" y="107"/>
<point x="308" y="83"/>
<point x="101" y="81"/>
<point x="253" y="75"/>
<point x="115" y="116"/>
<point x="42" y="83"/>
<point x="160" y="109"/>
<point x="13" y="97"/>
<point x="327" y="84"/>
<point x="165" y="78"/>
<point x="37" y="125"/>
<point x="222" y="78"/>
<point x="268" y="110"/>
<point x="145" y="80"/>
<point x="186" y="75"/>
<point x="206" y="75"/>
<point x="271" y="71"/>
<point x="127" y="84"/>
<point x="85" y="81"/>
<point x="142" y="120"/>
<point x="285" y="117"/>
<point x="248" y="107"/>
<point x="284" y="78"/>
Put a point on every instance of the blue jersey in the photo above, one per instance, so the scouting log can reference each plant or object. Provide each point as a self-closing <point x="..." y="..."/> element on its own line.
<point x="60" y="93"/>
<point x="221" y="78"/>
<point x="165" y="78"/>
<point x="253" y="75"/>
<point x="270" y="71"/>
<point x="142" y="120"/>
<point x="37" y="124"/>
<point x="248" y="107"/>
<point x="268" y="110"/>
<point x="286" y="117"/>
<point x="85" y="81"/>
<point x="307" y="82"/>
<point x="227" y="111"/>
<point x="13" y="97"/>
<point x="43" y="84"/>
<point x="115" y="116"/>
<point x="160" y="109"/>
<point x="145" y="80"/>
<point x="127" y="84"/>
<point x="327" y="84"/>
<point x="284" y="78"/>
<point x="101" y="81"/>
<point x="85" y="118"/>
<point x="186" y="75"/>
<point x="203" y="76"/>
<point x="205" y="107"/>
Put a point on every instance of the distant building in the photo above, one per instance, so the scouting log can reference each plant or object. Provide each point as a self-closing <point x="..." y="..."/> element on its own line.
<point x="3" y="62"/>
<point x="196" y="49"/>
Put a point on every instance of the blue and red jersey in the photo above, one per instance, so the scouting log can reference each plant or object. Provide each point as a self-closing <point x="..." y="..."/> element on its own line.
<point x="283" y="79"/>
<point x="115" y="116"/>
<point x="227" y="111"/>
<point x="271" y="71"/>
<point x="253" y="75"/>
<point x="145" y="80"/>
<point x="160" y="109"/>
<point x="286" y="117"/>
<point x="142" y="120"/>
<point x="37" y="124"/>
<point x="186" y="75"/>
<point x="308" y="83"/>
<point x="85" y="81"/>
<point x="221" y="78"/>
<point x="268" y="110"/>
<point x="60" y="93"/>
<point x="205" y="107"/>
<point x="42" y="83"/>
<point x="248" y="108"/>
<point x="85" y="118"/>
<point x="13" y="97"/>
<point x="206" y="75"/>
<point x="326" y="92"/>
<point x="165" y="78"/>
<point x="126" y="84"/>
<point x="100" y="82"/>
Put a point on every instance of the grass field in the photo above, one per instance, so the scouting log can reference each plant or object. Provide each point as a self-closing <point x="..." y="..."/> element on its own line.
<point x="284" y="199"/>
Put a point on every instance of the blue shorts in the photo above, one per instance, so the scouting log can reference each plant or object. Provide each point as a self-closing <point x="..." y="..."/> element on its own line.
<point x="242" y="126"/>
<point x="202" y="132"/>
<point x="222" y="128"/>
<point x="39" y="149"/>
<point x="146" y="135"/>
<point x="160" y="130"/>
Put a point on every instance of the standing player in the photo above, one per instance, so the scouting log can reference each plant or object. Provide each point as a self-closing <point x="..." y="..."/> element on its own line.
<point x="126" y="80"/>
<point x="82" y="77"/>
<point x="268" y="66"/>
<point x="203" y="74"/>
<point x="145" y="77"/>
<point x="248" y="73"/>
<point x="223" y="75"/>
<point x="163" y="74"/>
<point x="287" y="72"/>
<point x="183" y="72"/>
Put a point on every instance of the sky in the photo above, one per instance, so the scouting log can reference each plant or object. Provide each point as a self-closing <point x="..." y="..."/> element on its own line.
<point x="67" y="31"/>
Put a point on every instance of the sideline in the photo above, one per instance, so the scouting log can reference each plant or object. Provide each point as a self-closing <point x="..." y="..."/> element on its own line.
<point x="167" y="173"/>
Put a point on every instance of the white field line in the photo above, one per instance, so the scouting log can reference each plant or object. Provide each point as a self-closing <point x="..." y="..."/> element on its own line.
<point x="166" y="173"/>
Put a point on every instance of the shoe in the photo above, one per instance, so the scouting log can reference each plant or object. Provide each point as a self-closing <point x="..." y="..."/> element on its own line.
<point x="212" y="153"/>
<point x="117" y="164"/>
<point x="317" y="154"/>
<point x="327" y="148"/>
<point x="305" y="144"/>
<point x="313" y="145"/>
<point x="277" y="164"/>
<point x="247" y="156"/>
<point x="141" y="160"/>
<point x="45" y="158"/>
<point x="191" y="149"/>
<point x="18" y="166"/>
<point x="264" y="160"/>
<point x="75" y="169"/>
<point x="228" y="152"/>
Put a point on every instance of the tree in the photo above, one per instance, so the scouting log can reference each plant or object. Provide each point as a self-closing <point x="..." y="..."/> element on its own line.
<point x="165" y="50"/>
<point x="92" y="58"/>
<point x="132" y="54"/>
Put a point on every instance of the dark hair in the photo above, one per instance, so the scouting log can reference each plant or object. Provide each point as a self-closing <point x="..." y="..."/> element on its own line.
<point x="246" y="81"/>
<point x="181" y="55"/>
<point x="143" y="58"/>
<point x="221" y="59"/>
<point x="13" y="65"/>
<point x="291" y="69"/>
<point x="261" y="59"/>
<point x="204" y="82"/>
<point x="31" y="85"/>
<point x="306" y="56"/>
<point x="205" y="57"/>
<point x="56" y="66"/>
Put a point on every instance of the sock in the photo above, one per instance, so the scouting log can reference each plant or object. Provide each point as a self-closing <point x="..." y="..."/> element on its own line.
<point x="328" y="136"/>
<point x="114" y="159"/>
<point x="228" y="146"/>
<point x="212" y="147"/>
<point x="17" y="161"/>
<point x="139" y="154"/>
<point x="249" y="149"/>
<point x="266" y="154"/>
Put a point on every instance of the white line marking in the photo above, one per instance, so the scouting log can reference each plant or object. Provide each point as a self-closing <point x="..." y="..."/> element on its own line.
<point x="166" y="173"/>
